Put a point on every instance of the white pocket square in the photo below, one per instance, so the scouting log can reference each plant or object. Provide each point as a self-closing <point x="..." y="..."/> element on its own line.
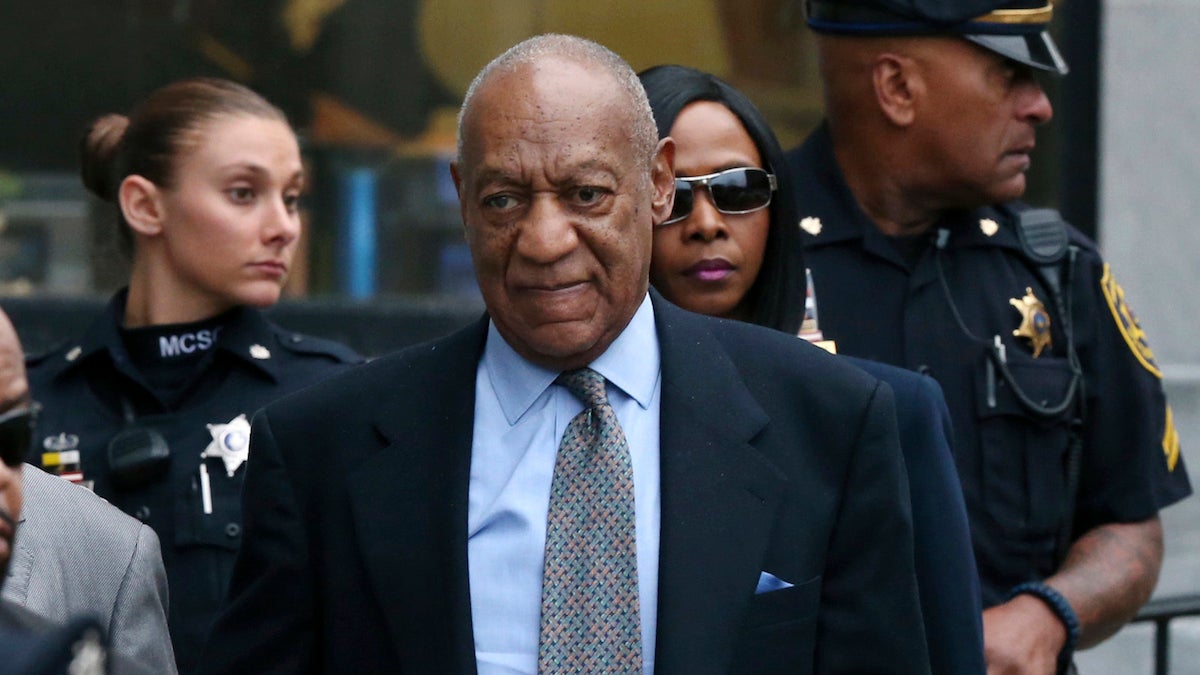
<point x="768" y="582"/>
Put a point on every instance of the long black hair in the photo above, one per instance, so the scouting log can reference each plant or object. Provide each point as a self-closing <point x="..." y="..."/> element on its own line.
<point x="777" y="295"/>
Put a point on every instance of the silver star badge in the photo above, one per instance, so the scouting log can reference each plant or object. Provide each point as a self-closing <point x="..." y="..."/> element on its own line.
<point x="231" y="443"/>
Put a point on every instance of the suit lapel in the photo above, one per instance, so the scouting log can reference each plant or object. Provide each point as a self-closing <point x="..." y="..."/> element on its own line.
<point x="719" y="495"/>
<point x="410" y="509"/>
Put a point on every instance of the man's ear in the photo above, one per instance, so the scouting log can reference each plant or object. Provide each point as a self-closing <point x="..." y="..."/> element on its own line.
<point x="141" y="204"/>
<point x="898" y="84"/>
<point x="662" y="175"/>
<point x="456" y="174"/>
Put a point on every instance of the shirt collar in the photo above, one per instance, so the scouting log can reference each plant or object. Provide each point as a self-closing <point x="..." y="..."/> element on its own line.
<point x="631" y="363"/>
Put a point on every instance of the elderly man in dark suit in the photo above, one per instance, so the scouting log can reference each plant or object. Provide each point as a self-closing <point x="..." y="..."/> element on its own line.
<point x="589" y="479"/>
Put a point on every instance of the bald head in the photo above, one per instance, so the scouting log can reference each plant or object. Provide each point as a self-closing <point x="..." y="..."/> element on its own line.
<point x="568" y="48"/>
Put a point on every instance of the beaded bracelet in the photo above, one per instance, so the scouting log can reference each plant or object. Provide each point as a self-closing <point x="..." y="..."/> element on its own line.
<point x="1062" y="609"/>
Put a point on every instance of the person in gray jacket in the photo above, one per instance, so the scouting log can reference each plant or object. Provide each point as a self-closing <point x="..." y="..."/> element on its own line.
<point x="75" y="554"/>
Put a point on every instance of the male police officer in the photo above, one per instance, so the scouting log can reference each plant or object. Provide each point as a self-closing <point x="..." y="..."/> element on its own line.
<point x="921" y="257"/>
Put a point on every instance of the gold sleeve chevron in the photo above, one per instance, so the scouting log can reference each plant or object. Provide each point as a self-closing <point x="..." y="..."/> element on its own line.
<point x="1170" y="442"/>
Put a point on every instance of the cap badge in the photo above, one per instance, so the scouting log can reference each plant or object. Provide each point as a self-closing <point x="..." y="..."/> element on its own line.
<point x="1035" y="322"/>
<point x="230" y="443"/>
<point x="260" y="352"/>
<point x="811" y="225"/>
<point x="988" y="226"/>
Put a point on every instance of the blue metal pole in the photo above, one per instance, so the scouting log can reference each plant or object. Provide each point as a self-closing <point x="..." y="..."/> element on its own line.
<point x="357" y="235"/>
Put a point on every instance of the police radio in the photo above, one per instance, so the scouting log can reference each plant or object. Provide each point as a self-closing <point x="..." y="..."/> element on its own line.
<point x="136" y="455"/>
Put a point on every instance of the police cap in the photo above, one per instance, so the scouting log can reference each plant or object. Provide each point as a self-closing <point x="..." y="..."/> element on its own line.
<point x="1015" y="29"/>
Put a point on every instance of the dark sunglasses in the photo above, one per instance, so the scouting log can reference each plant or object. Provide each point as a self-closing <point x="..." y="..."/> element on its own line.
<point x="732" y="191"/>
<point x="16" y="433"/>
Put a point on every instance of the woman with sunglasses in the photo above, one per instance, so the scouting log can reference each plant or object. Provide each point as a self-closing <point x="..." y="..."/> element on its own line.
<point x="150" y="407"/>
<point x="729" y="248"/>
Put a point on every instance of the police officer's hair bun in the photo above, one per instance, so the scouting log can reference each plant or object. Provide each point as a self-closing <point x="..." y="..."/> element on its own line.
<point x="98" y="152"/>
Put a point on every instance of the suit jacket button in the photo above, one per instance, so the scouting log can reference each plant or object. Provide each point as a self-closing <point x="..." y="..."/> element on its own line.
<point x="142" y="513"/>
<point x="232" y="530"/>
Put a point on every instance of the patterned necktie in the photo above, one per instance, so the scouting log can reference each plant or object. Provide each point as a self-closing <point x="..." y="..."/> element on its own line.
<point x="590" y="613"/>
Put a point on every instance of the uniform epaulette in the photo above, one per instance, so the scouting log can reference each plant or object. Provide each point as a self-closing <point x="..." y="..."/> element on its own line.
<point x="40" y="357"/>
<point x="309" y="345"/>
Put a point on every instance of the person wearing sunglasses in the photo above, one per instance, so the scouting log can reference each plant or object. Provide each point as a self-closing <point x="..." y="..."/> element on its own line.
<point x="729" y="249"/>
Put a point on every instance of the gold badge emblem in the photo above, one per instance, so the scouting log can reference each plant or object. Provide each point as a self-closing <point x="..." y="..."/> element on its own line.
<point x="1035" y="322"/>
<point x="988" y="226"/>
<point x="811" y="225"/>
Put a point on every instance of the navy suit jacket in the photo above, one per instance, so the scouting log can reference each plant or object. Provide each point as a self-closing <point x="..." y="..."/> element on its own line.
<point x="775" y="456"/>
<point x="946" y="574"/>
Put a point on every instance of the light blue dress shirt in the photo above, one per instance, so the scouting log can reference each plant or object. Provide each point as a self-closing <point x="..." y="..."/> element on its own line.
<point x="520" y="416"/>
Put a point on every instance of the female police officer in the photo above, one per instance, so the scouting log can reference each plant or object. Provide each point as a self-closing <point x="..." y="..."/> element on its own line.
<point x="150" y="407"/>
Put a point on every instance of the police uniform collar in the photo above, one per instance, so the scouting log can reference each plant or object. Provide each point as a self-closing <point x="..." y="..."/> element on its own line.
<point x="829" y="212"/>
<point x="247" y="336"/>
<point x="102" y="336"/>
<point x="990" y="226"/>
<point x="250" y="338"/>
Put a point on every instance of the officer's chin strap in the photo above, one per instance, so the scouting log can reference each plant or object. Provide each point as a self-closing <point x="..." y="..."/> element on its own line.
<point x="996" y="352"/>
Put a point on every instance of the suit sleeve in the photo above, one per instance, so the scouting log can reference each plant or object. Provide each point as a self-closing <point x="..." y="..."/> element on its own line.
<point x="870" y="619"/>
<point x="139" y="622"/>
<point x="266" y="625"/>
<point x="946" y="574"/>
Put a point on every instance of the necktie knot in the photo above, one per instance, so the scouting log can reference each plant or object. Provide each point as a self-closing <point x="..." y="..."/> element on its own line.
<point x="586" y="385"/>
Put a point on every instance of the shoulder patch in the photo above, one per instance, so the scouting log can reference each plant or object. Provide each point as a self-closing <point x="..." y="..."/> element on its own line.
<point x="1127" y="323"/>
<point x="1170" y="442"/>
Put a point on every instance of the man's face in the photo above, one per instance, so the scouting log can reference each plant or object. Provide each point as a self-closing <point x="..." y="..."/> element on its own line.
<point x="559" y="209"/>
<point x="14" y="394"/>
<point x="10" y="512"/>
<point x="975" y="124"/>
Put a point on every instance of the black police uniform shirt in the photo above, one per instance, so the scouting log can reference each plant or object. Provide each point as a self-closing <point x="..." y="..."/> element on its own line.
<point x="91" y="391"/>
<point x="876" y="304"/>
